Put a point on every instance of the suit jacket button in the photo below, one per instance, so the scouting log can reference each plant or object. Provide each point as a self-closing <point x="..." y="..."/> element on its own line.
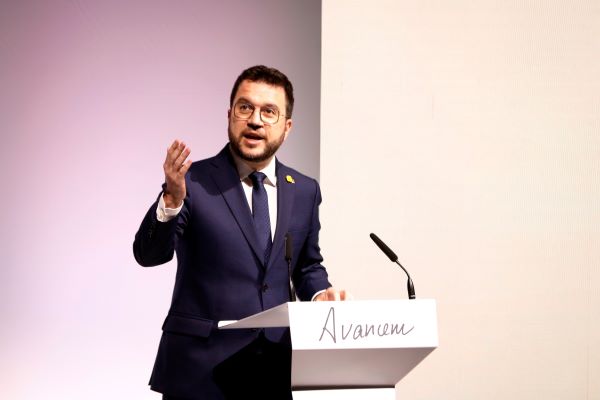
<point x="265" y="287"/>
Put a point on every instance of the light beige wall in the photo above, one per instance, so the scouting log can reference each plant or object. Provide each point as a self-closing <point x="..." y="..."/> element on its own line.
<point x="467" y="135"/>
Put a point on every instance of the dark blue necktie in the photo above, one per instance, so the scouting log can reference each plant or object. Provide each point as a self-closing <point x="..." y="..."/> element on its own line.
<point x="260" y="213"/>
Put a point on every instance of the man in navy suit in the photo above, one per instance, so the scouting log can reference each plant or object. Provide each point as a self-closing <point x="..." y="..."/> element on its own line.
<point x="227" y="218"/>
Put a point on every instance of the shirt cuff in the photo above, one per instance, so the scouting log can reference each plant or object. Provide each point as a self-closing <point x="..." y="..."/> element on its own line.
<point x="164" y="214"/>
<point x="316" y="294"/>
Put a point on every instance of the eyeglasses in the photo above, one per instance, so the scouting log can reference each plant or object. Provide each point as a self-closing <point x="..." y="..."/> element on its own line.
<point x="268" y="114"/>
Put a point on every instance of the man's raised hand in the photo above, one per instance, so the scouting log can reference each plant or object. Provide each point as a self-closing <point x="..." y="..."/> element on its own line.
<point x="176" y="166"/>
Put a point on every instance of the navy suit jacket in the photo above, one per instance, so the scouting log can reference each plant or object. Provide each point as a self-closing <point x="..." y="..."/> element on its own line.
<point x="220" y="271"/>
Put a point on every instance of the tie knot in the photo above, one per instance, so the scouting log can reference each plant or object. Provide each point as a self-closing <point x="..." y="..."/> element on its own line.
<point x="257" y="178"/>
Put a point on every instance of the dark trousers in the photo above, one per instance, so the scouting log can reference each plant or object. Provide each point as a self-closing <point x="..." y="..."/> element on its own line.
<point x="261" y="370"/>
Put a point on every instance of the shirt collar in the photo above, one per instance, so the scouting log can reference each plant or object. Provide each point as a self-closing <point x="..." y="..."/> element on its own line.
<point x="244" y="170"/>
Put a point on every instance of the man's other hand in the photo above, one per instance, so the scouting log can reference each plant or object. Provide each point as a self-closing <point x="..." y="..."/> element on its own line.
<point x="333" y="294"/>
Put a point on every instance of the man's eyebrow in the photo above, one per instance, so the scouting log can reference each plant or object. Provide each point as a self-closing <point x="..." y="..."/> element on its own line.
<point x="245" y="100"/>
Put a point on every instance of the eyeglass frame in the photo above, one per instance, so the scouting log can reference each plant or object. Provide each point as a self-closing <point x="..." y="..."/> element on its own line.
<point x="254" y="108"/>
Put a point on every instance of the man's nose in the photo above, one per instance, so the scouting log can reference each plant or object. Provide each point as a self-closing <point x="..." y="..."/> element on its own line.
<point x="254" y="119"/>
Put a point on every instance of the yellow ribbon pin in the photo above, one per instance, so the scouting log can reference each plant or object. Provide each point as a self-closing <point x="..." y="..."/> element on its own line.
<point x="289" y="179"/>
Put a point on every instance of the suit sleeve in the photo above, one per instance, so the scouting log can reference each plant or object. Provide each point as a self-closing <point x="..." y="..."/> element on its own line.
<point x="310" y="275"/>
<point x="155" y="241"/>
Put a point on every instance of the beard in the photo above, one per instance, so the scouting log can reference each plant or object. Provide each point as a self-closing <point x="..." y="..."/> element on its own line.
<point x="269" y="150"/>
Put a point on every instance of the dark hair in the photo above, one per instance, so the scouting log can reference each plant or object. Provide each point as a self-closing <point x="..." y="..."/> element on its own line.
<point x="260" y="73"/>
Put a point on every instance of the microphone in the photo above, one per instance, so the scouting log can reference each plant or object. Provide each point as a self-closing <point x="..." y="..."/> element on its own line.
<point x="288" y="257"/>
<point x="394" y="258"/>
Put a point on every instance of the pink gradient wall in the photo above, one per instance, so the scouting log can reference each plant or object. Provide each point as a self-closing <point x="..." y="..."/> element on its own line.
<point x="91" y="94"/>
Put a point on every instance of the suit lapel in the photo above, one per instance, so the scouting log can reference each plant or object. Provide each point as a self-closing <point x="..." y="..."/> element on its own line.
<point x="225" y="176"/>
<point x="285" y="203"/>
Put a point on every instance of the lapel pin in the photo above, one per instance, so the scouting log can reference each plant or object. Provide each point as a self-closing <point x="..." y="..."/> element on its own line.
<point x="289" y="179"/>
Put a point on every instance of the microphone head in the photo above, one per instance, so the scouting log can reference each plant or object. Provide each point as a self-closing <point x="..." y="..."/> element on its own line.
<point x="388" y="252"/>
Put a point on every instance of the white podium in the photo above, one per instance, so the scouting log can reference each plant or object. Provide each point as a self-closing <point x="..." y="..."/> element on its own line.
<point x="351" y="349"/>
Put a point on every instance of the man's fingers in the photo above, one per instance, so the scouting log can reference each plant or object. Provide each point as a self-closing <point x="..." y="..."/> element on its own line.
<point x="176" y="156"/>
<point x="175" y="167"/>
<point x="345" y="295"/>
<point x="172" y="152"/>
<point x="332" y="294"/>
<point x="336" y="295"/>
<point x="179" y="150"/>
<point x="328" y="295"/>
<point x="185" y="167"/>
<point x="179" y="162"/>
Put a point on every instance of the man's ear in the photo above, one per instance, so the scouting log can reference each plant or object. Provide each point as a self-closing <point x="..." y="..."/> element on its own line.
<point x="288" y="127"/>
